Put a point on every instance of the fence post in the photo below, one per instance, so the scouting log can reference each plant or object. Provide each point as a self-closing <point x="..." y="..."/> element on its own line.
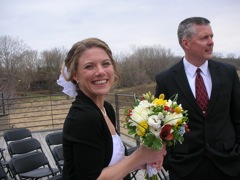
<point x="52" y="110"/>
<point x="3" y="105"/>
<point x="117" y="112"/>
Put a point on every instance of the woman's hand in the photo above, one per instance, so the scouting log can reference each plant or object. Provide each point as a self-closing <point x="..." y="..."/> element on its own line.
<point x="150" y="156"/>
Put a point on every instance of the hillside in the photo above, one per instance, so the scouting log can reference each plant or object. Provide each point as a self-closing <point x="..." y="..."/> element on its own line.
<point x="138" y="90"/>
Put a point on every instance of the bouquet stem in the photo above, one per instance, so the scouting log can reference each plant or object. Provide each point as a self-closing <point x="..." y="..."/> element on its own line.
<point x="151" y="173"/>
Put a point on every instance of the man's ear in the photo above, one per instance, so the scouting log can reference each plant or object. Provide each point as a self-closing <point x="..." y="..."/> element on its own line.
<point x="185" y="43"/>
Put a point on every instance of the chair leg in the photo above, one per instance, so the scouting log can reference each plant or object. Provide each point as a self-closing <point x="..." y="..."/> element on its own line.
<point x="163" y="176"/>
<point x="133" y="175"/>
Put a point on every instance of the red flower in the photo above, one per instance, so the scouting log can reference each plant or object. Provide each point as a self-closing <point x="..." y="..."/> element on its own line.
<point x="169" y="109"/>
<point x="166" y="132"/>
<point x="129" y="113"/>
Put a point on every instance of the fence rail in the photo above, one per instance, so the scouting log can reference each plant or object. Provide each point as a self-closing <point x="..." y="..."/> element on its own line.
<point x="48" y="112"/>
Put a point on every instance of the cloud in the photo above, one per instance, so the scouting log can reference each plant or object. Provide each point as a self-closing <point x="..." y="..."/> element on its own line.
<point x="47" y="24"/>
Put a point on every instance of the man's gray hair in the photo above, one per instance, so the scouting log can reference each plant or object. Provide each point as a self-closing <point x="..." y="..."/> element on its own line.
<point x="185" y="28"/>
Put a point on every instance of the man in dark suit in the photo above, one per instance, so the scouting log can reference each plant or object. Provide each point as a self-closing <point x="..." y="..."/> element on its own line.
<point x="211" y="149"/>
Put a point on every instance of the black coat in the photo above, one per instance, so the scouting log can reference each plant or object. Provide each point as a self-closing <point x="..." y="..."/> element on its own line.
<point x="87" y="141"/>
<point x="218" y="134"/>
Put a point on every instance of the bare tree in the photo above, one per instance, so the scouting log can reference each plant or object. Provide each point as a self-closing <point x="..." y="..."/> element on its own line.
<point x="11" y="52"/>
<point x="144" y="63"/>
<point x="153" y="59"/>
<point x="27" y="70"/>
<point x="50" y="65"/>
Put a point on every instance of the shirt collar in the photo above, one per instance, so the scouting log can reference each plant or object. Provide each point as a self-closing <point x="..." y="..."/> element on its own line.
<point x="191" y="69"/>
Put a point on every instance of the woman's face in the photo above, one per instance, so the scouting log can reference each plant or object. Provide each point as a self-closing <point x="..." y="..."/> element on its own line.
<point x="95" y="73"/>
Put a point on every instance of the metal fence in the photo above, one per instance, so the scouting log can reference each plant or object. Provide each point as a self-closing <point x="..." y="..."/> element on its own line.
<point x="48" y="112"/>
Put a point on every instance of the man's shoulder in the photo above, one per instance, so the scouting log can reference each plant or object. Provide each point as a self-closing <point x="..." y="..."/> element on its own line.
<point x="219" y="64"/>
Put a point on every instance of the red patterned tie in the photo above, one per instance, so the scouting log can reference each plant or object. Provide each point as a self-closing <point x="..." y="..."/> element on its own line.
<point x="201" y="92"/>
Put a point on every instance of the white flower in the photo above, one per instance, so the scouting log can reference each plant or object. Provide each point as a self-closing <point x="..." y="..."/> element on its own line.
<point x="169" y="103"/>
<point x="154" y="121"/>
<point x="160" y="115"/>
<point x="172" y="119"/>
<point x="145" y="104"/>
<point x="156" y="132"/>
<point x="140" y="113"/>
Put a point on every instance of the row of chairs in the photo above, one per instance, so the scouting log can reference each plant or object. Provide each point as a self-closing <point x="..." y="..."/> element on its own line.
<point x="27" y="159"/>
<point x="26" y="165"/>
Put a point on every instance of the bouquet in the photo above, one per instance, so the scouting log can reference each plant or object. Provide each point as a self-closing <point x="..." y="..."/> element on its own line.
<point x="156" y="121"/>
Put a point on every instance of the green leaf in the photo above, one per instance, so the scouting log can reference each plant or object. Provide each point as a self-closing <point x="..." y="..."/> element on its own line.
<point x="157" y="144"/>
<point x="151" y="141"/>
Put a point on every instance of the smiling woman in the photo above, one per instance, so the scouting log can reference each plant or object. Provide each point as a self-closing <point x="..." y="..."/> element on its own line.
<point x="91" y="144"/>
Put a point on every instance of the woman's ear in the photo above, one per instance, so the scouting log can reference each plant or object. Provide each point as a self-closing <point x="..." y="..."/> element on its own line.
<point x="75" y="77"/>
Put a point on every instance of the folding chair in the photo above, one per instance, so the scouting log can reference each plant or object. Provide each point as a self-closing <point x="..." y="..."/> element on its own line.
<point x="163" y="174"/>
<point x="4" y="162"/>
<point x="54" y="140"/>
<point x="33" y="165"/>
<point x="58" y="156"/>
<point x="57" y="177"/>
<point x="16" y="134"/>
<point x="3" y="174"/>
<point x="24" y="146"/>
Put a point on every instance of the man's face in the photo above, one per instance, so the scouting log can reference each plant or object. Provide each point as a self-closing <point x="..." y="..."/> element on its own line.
<point x="200" y="46"/>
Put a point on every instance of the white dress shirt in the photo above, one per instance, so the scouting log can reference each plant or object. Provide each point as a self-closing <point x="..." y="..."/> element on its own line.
<point x="191" y="76"/>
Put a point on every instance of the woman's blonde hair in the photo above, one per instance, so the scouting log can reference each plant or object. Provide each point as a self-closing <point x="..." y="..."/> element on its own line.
<point x="71" y="61"/>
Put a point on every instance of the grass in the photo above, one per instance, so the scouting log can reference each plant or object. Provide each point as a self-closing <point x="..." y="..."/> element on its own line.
<point x="138" y="90"/>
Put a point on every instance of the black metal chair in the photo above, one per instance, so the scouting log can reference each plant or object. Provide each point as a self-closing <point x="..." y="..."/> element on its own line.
<point x="54" y="142"/>
<point x="54" y="138"/>
<point x="163" y="174"/>
<point x="4" y="162"/>
<point x="3" y="174"/>
<point x="33" y="165"/>
<point x="2" y="157"/>
<point x="58" y="156"/>
<point x="1" y="153"/>
<point x="16" y="134"/>
<point x="24" y="146"/>
<point x="57" y="177"/>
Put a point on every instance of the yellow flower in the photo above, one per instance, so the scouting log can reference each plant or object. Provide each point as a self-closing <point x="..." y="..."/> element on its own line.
<point x="161" y="96"/>
<point x="142" y="127"/>
<point x="178" y="109"/>
<point x="159" y="102"/>
<point x="179" y="121"/>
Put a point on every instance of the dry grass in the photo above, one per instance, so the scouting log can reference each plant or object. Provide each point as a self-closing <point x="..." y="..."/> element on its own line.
<point x="44" y="112"/>
<point x="138" y="90"/>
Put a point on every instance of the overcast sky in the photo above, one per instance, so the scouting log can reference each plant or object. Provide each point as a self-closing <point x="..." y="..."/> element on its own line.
<point x="123" y="24"/>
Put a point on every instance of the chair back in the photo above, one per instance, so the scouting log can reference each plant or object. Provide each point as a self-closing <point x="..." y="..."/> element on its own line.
<point x="28" y="162"/>
<point x="16" y="134"/>
<point x="24" y="146"/>
<point x="54" y="138"/>
<point x="58" y="152"/>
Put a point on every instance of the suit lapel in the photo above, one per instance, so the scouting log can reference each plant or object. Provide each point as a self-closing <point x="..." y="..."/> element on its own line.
<point x="216" y="78"/>
<point x="182" y="82"/>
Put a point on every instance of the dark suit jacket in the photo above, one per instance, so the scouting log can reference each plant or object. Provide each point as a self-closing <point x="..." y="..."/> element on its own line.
<point x="217" y="135"/>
